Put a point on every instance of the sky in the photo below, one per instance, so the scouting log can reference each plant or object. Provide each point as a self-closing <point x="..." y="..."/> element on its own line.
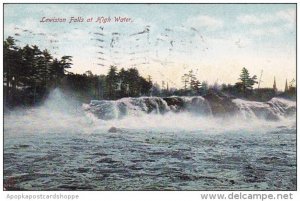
<point x="165" y="41"/>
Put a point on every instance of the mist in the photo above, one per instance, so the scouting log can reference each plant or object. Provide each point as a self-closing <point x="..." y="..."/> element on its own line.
<point x="62" y="113"/>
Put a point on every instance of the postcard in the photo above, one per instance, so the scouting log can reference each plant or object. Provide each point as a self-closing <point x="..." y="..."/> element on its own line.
<point x="149" y="97"/>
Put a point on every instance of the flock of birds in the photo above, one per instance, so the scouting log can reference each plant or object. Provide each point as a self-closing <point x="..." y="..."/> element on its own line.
<point x="140" y="49"/>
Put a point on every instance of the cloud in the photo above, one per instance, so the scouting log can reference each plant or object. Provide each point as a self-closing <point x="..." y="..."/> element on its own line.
<point x="254" y="19"/>
<point x="266" y="31"/>
<point x="204" y="21"/>
<point x="288" y="15"/>
<point x="283" y="16"/>
<point x="54" y="10"/>
<point x="270" y="24"/>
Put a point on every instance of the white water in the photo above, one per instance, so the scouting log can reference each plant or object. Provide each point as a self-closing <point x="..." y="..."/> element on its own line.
<point x="61" y="113"/>
<point x="253" y="109"/>
<point x="63" y="146"/>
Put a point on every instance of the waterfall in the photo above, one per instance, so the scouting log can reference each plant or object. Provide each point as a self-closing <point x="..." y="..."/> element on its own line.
<point x="274" y="109"/>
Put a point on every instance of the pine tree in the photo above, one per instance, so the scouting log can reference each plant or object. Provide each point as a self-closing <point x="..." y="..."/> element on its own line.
<point x="185" y="80"/>
<point x="196" y="86"/>
<point x="274" y="85"/>
<point x="247" y="82"/>
<point x="192" y="79"/>
<point x="111" y="82"/>
<point x="286" y="89"/>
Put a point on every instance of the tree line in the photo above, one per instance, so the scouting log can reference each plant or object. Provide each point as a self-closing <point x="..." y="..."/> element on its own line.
<point x="126" y="83"/>
<point x="193" y="86"/>
<point x="243" y="88"/>
<point x="30" y="73"/>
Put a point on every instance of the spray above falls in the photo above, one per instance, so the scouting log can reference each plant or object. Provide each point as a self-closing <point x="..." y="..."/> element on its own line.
<point x="210" y="113"/>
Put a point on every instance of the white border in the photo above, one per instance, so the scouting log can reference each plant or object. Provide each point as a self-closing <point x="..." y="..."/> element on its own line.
<point x="131" y="195"/>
